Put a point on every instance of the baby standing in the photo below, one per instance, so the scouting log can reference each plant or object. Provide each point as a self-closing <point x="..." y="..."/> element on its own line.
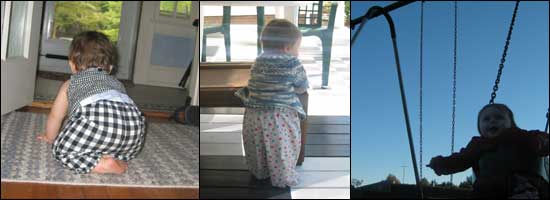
<point x="105" y="129"/>
<point x="271" y="126"/>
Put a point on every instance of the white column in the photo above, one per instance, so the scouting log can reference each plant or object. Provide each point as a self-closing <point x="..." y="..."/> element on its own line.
<point x="195" y="80"/>
<point x="201" y="25"/>
<point x="279" y="12"/>
<point x="340" y="15"/>
<point x="291" y="13"/>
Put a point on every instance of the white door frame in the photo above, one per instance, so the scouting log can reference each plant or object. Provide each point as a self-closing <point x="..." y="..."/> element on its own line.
<point x="152" y="22"/>
<point x="18" y="74"/>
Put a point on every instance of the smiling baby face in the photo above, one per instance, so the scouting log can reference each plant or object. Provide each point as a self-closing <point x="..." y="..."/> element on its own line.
<point x="492" y="120"/>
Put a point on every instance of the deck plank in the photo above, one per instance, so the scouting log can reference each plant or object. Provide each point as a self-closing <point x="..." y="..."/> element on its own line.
<point x="221" y="149"/>
<point x="236" y="149"/>
<point x="320" y="139"/>
<point x="328" y="151"/>
<point x="244" y="193"/>
<point x="324" y="179"/>
<point x="222" y="110"/>
<point x="316" y="193"/>
<point x="223" y="163"/>
<point x="236" y="137"/>
<point x="230" y="178"/>
<point x="220" y="137"/>
<point x="326" y="164"/>
<point x="311" y="129"/>
<point x="238" y="119"/>
<point x="310" y="163"/>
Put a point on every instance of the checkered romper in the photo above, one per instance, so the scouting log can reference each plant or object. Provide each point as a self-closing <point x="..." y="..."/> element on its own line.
<point x="103" y="127"/>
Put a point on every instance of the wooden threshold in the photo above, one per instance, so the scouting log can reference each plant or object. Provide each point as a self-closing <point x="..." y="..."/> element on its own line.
<point x="12" y="190"/>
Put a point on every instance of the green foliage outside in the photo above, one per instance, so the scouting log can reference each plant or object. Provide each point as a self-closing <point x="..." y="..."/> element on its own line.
<point x="468" y="183"/>
<point x="355" y="183"/>
<point x="183" y="9"/>
<point x="347" y="10"/>
<point x="73" y="17"/>
<point x="393" y="179"/>
<point x="424" y="182"/>
<point x="446" y="185"/>
<point x="326" y="10"/>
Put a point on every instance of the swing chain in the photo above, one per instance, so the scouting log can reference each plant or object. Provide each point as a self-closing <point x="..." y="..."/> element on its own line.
<point x="503" y="59"/>
<point x="454" y="88"/>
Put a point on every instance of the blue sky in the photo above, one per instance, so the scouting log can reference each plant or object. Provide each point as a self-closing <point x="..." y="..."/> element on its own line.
<point x="379" y="139"/>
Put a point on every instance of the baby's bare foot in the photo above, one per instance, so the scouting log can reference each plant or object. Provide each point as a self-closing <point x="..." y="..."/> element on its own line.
<point x="108" y="165"/>
<point x="123" y="164"/>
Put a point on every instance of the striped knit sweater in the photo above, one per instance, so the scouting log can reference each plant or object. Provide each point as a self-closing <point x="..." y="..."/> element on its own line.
<point x="274" y="83"/>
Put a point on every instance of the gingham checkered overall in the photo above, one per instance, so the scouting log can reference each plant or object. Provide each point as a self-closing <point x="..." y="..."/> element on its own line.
<point x="104" y="127"/>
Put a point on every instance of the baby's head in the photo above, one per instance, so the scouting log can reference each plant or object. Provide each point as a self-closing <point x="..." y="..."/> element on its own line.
<point x="92" y="49"/>
<point x="281" y="36"/>
<point x="494" y="117"/>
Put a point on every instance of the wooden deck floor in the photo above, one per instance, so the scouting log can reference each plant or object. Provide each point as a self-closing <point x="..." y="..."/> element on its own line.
<point x="324" y="174"/>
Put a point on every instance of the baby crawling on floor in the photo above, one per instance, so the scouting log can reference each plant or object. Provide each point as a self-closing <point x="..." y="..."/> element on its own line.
<point x="105" y="129"/>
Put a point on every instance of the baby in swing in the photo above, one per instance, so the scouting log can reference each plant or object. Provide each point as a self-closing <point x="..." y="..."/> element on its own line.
<point x="271" y="125"/>
<point x="105" y="129"/>
<point x="505" y="159"/>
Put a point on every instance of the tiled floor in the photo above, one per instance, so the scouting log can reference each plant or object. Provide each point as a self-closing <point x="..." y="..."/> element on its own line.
<point x="243" y="48"/>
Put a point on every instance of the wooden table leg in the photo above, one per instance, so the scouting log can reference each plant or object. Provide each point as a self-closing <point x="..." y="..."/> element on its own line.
<point x="303" y="129"/>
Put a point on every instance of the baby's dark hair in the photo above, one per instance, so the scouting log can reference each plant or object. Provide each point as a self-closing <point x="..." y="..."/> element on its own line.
<point x="500" y="107"/>
<point x="93" y="49"/>
<point x="278" y="34"/>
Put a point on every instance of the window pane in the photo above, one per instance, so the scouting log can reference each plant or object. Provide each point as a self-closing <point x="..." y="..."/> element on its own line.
<point x="167" y="7"/>
<point x="184" y="9"/>
<point x="18" y="24"/>
<point x="172" y="51"/>
<point x="73" y="17"/>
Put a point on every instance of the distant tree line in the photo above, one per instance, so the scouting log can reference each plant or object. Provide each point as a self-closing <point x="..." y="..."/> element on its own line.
<point x="466" y="184"/>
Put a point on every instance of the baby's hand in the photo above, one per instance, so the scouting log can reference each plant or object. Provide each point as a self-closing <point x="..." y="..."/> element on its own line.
<point x="44" y="137"/>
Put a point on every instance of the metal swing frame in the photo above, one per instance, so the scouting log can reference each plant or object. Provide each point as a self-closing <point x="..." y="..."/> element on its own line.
<point x="376" y="11"/>
<point x="373" y="12"/>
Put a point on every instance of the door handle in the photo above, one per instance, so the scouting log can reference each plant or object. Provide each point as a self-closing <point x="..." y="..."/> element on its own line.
<point x="54" y="56"/>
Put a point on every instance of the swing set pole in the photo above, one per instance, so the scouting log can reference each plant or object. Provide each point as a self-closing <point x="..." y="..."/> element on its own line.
<point x="546" y="127"/>
<point x="372" y="13"/>
<point x="403" y="98"/>
<point x="379" y="12"/>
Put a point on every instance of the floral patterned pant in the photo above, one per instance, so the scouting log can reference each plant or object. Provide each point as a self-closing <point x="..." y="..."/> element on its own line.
<point x="272" y="144"/>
